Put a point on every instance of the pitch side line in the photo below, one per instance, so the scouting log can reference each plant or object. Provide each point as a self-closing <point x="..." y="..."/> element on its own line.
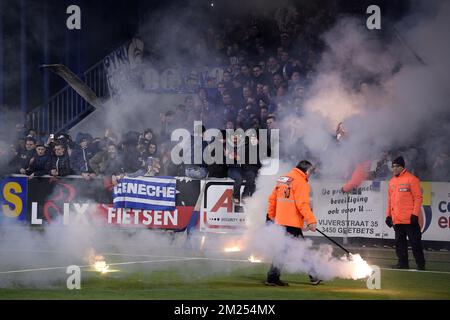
<point x="415" y="270"/>
<point x="90" y="265"/>
<point x="242" y="260"/>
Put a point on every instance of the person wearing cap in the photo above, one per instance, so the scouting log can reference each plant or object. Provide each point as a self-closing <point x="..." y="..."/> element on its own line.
<point x="403" y="211"/>
<point x="289" y="207"/>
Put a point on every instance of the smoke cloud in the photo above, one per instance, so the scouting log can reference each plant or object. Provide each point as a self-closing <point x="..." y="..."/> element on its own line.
<point x="404" y="104"/>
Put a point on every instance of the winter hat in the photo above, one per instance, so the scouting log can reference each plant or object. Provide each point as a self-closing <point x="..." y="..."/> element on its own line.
<point x="399" y="161"/>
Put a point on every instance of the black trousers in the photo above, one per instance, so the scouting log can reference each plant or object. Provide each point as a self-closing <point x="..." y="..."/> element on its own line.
<point x="412" y="231"/>
<point x="275" y="272"/>
<point x="239" y="174"/>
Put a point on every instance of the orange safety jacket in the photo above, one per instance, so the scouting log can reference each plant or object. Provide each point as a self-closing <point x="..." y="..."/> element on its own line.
<point x="404" y="198"/>
<point x="289" y="201"/>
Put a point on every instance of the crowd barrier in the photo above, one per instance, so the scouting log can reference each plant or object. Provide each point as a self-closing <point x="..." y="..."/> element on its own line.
<point x="46" y="200"/>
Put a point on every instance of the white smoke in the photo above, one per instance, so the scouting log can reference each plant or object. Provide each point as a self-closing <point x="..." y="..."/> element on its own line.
<point x="401" y="106"/>
<point x="406" y="104"/>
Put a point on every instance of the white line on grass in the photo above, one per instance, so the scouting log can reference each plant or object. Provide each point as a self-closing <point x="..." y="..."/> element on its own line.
<point x="415" y="270"/>
<point x="87" y="266"/>
<point x="177" y="258"/>
<point x="159" y="256"/>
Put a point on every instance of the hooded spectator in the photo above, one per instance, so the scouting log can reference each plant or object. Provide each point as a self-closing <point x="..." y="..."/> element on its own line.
<point x="81" y="154"/>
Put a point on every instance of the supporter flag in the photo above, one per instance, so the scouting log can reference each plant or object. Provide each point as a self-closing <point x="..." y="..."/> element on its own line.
<point x="145" y="193"/>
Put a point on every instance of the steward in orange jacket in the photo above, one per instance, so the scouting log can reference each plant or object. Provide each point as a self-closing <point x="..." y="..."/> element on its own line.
<point x="289" y="201"/>
<point x="404" y="207"/>
<point x="289" y="207"/>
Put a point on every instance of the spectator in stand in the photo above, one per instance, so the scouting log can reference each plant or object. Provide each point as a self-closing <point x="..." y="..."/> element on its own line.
<point x="221" y="90"/>
<point x="261" y="53"/>
<point x="267" y="93"/>
<point x="40" y="164"/>
<point x="245" y="76"/>
<point x="107" y="162"/>
<point x="272" y="66"/>
<point x="79" y="159"/>
<point x="197" y="168"/>
<point x="23" y="158"/>
<point x="60" y="163"/>
<point x="285" y="41"/>
<point x="111" y="137"/>
<point x="264" y="113"/>
<point x="146" y="138"/>
<point x="227" y="81"/>
<point x="235" y="159"/>
<point x="66" y="140"/>
<point x="129" y="152"/>
<point x="167" y="125"/>
<point x="150" y="152"/>
<point x="247" y="94"/>
<point x="259" y="91"/>
<point x="286" y="65"/>
<point x="20" y="132"/>
<point x="440" y="170"/>
<point x="252" y="164"/>
<point x="236" y="92"/>
<point x="277" y="81"/>
<point x="33" y="134"/>
<point x="228" y="109"/>
<point x="295" y="80"/>
<point x="168" y="168"/>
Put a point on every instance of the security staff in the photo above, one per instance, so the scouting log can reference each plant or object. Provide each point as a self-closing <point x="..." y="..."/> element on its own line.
<point x="403" y="210"/>
<point x="289" y="207"/>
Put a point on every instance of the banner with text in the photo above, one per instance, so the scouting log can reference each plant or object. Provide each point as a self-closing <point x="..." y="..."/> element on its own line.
<point x="356" y="214"/>
<point x="219" y="213"/>
<point x="146" y="193"/>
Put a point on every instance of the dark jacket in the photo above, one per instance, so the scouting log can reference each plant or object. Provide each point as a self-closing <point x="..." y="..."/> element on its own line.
<point x="195" y="144"/>
<point x="79" y="160"/>
<point x="62" y="165"/>
<point x="40" y="165"/>
<point x="22" y="159"/>
<point x="101" y="163"/>
<point x="130" y="157"/>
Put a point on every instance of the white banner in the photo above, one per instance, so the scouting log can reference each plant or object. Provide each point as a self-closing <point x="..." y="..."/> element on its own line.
<point x="366" y="210"/>
<point x="354" y="215"/>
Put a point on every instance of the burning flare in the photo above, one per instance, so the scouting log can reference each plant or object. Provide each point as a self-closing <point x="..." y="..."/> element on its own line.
<point x="232" y="249"/>
<point x="101" y="265"/>
<point x="253" y="259"/>
<point x="359" y="267"/>
<point x="97" y="261"/>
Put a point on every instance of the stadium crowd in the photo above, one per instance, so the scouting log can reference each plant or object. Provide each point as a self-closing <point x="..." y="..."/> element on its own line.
<point x="265" y="79"/>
